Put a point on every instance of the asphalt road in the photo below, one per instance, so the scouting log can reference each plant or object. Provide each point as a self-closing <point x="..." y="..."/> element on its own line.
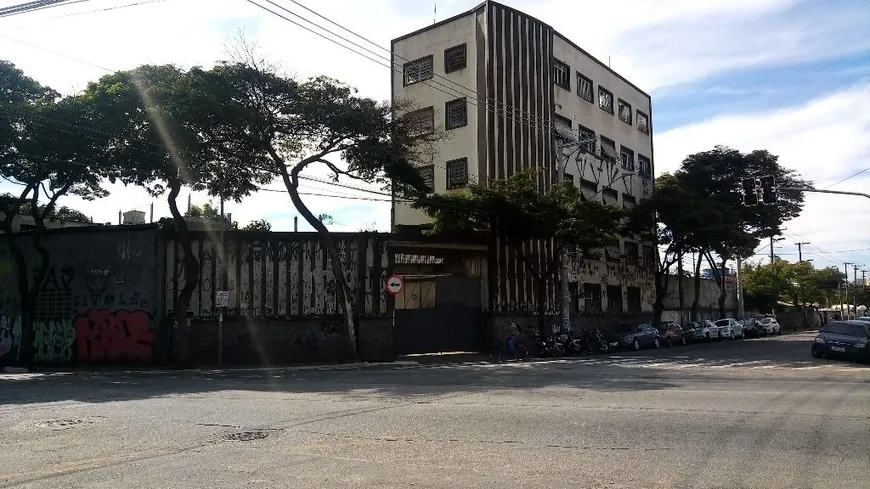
<point x="751" y="414"/>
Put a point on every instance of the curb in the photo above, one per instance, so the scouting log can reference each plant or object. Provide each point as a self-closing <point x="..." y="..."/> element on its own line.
<point x="301" y="368"/>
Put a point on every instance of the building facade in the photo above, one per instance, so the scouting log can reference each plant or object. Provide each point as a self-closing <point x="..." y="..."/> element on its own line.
<point x="502" y="85"/>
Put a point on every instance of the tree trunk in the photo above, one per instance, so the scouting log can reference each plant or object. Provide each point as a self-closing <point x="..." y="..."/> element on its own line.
<point x="680" y="288"/>
<point x="696" y="300"/>
<point x="661" y="288"/>
<point x="345" y="296"/>
<point x="191" y="277"/>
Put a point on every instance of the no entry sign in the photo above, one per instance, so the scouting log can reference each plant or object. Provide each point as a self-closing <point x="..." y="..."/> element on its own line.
<point x="395" y="284"/>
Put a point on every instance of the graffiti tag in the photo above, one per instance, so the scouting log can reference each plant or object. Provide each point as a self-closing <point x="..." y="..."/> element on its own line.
<point x="119" y="335"/>
<point x="53" y="341"/>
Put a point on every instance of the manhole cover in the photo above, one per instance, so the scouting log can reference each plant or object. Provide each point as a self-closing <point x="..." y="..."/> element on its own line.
<point x="246" y="436"/>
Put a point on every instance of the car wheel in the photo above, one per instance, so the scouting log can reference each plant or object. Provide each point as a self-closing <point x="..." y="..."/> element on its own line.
<point x="814" y="353"/>
<point x="636" y="345"/>
<point x="658" y="344"/>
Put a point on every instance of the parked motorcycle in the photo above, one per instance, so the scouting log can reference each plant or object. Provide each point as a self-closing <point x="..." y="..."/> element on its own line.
<point x="550" y="346"/>
<point x="595" y="341"/>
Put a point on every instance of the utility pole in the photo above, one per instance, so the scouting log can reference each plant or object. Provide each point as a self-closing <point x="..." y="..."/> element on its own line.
<point x="740" y="311"/>
<point x="800" y="251"/>
<point x="846" y="268"/>
<point x="771" y="250"/>
<point x="855" y="289"/>
<point x="223" y="280"/>
<point x="565" y="325"/>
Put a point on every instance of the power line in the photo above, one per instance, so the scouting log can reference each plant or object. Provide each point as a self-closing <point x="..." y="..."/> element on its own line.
<point x="847" y="178"/>
<point x="86" y="12"/>
<point x="28" y="7"/>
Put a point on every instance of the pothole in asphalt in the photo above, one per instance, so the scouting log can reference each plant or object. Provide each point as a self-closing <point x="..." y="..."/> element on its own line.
<point x="65" y="424"/>
<point x="246" y="436"/>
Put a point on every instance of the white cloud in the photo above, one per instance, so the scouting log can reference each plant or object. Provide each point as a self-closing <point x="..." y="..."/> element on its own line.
<point x="825" y="140"/>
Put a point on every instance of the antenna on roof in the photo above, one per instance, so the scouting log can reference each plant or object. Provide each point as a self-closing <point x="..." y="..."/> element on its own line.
<point x="435" y="14"/>
<point x="608" y="61"/>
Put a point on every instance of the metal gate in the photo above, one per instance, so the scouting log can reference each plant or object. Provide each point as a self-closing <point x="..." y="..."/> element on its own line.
<point x="439" y="314"/>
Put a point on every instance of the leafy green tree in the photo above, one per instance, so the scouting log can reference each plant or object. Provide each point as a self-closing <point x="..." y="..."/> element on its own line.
<point x="282" y="126"/>
<point x="717" y="175"/>
<point x="209" y="211"/>
<point x="516" y="211"/>
<point x="258" y="225"/>
<point x="45" y="167"/>
<point x="164" y="138"/>
<point x="62" y="213"/>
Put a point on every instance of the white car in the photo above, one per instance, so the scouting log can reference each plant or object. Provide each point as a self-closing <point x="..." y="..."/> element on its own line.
<point x="709" y="330"/>
<point x="729" y="328"/>
<point x="770" y="325"/>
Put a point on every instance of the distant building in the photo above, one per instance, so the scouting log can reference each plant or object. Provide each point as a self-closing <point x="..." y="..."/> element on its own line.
<point x="134" y="217"/>
<point x="711" y="273"/>
<point x="27" y="223"/>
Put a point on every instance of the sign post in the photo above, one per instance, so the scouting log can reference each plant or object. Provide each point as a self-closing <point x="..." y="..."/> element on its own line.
<point x="221" y="301"/>
<point x="395" y="284"/>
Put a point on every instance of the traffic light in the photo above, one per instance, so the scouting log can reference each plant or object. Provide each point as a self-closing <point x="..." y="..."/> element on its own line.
<point x="768" y="190"/>
<point x="750" y="191"/>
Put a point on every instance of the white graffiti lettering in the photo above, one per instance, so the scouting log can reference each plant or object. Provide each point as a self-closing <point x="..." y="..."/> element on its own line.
<point x="53" y="341"/>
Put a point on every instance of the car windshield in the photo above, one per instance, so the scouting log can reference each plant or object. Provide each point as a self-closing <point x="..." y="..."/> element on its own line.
<point x="846" y="329"/>
<point x="722" y="322"/>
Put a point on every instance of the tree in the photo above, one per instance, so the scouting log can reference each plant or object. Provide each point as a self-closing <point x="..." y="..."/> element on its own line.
<point x="716" y="175"/>
<point x="678" y="220"/>
<point x="515" y="210"/>
<point x="164" y="140"/>
<point x="62" y="213"/>
<point x="258" y="225"/>
<point x="276" y="124"/>
<point x="46" y="168"/>
<point x="209" y="211"/>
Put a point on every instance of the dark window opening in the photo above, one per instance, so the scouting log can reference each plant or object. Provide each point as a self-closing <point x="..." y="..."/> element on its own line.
<point x="624" y="111"/>
<point x="428" y="174"/>
<point x="457" y="173"/>
<point x="418" y="70"/>
<point x="608" y="149"/>
<point x="455" y="58"/>
<point x="584" y="88"/>
<point x="645" y="166"/>
<point x="587" y="140"/>
<point x="605" y="99"/>
<point x="614" y="298"/>
<point x="561" y="74"/>
<point x="592" y="297"/>
<point x="627" y="156"/>
<point x="422" y="121"/>
<point x="456" y="112"/>
<point x="632" y="295"/>
<point x="642" y="122"/>
<point x="631" y="253"/>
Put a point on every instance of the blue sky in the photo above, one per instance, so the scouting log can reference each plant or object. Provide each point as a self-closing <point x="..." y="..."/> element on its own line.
<point x="791" y="76"/>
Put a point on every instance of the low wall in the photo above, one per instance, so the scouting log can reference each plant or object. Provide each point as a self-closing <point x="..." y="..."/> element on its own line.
<point x="254" y="341"/>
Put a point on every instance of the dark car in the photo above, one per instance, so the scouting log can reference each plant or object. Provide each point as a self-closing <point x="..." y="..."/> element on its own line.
<point x="642" y="335"/>
<point x="670" y="333"/>
<point x="753" y="328"/>
<point x="847" y="339"/>
<point x="693" y="332"/>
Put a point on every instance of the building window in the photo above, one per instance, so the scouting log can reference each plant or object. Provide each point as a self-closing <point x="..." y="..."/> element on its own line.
<point x="642" y="122"/>
<point x="561" y="74"/>
<point x="457" y="173"/>
<point x="588" y="188"/>
<point x="627" y="157"/>
<point x="649" y="257"/>
<point x="592" y="297"/>
<point x="454" y="58"/>
<point x="428" y="174"/>
<point x="418" y="70"/>
<point x="614" y="298"/>
<point x="631" y="253"/>
<point x="608" y="149"/>
<point x="562" y="125"/>
<point x="632" y="295"/>
<point x="456" y="112"/>
<point x="584" y="87"/>
<point x="605" y="99"/>
<point x="624" y="111"/>
<point x="587" y="139"/>
<point x="645" y="167"/>
<point x="422" y="121"/>
<point x="628" y="201"/>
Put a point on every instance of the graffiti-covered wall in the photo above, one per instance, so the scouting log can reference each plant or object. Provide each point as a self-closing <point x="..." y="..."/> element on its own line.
<point x="280" y="274"/>
<point x="98" y="301"/>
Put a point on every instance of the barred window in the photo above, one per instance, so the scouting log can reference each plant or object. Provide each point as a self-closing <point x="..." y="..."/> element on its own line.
<point x="584" y="87"/>
<point x="645" y="166"/>
<point x="457" y="173"/>
<point x="627" y="156"/>
<point x="642" y="122"/>
<point x="456" y="112"/>
<point x="422" y="121"/>
<point x="624" y="111"/>
<point x="587" y="140"/>
<point x="428" y="174"/>
<point x="454" y="58"/>
<point x="418" y="70"/>
<point x="561" y="74"/>
<point x="605" y="99"/>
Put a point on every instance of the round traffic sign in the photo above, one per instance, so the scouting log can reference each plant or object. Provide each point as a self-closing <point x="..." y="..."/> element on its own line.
<point x="395" y="284"/>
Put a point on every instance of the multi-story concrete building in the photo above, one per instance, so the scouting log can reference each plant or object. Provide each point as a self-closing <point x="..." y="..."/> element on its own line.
<point x="500" y="82"/>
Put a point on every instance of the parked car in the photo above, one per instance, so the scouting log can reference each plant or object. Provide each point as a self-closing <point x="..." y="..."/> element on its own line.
<point x="642" y="335"/>
<point x="730" y="328"/>
<point x="693" y="332"/>
<point x="771" y="325"/>
<point x="752" y="328"/>
<point x="843" y="339"/>
<point x="710" y="331"/>
<point x="670" y="333"/>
